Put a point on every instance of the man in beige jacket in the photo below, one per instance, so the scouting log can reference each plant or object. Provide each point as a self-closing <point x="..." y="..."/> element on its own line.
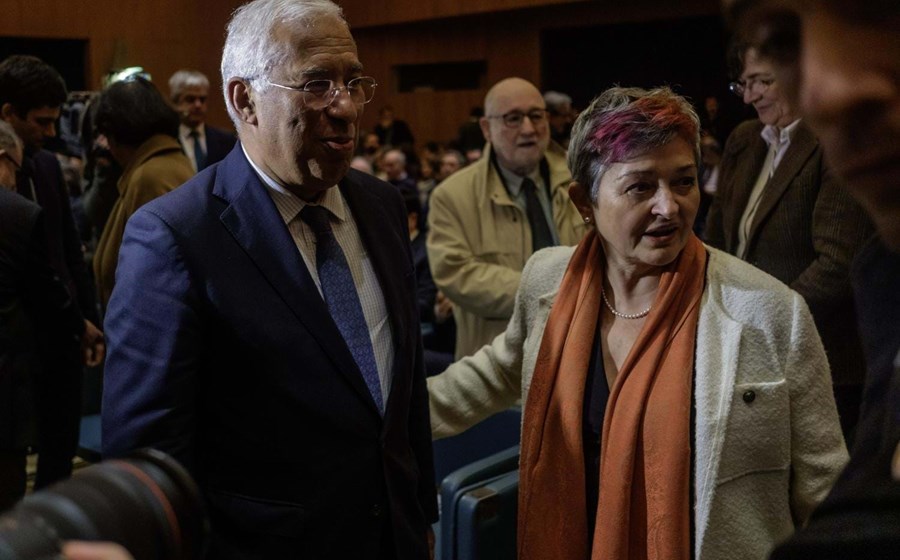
<point x="487" y="219"/>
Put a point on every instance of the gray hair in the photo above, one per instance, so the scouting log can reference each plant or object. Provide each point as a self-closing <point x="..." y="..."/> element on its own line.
<point x="251" y="50"/>
<point x="8" y="139"/>
<point x="555" y="101"/>
<point x="401" y="157"/>
<point x="186" y="78"/>
<point x="622" y="123"/>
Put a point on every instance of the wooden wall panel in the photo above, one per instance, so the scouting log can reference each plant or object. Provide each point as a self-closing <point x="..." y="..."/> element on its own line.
<point x="165" y="35"/>
<point x="162" y="35"/>
<point x="508" y="41"/>
<point x="365" y="13"/>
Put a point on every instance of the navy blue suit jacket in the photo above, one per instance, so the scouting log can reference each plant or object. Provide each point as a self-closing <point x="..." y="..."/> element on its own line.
<point x="218" y="144"/>
<point x="223" y="354"/>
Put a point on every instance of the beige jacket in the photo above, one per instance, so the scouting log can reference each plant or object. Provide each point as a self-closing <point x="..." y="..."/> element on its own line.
<point x="479" y="241"/>
<point x="158" y="166"/>
<point x="760" y="467"/>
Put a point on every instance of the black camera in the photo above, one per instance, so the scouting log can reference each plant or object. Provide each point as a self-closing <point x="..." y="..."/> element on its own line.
<point x="146" y="502"/>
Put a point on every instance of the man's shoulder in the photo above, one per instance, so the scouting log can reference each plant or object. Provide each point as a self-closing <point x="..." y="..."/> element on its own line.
<point x="17" y="213"/>
<point x="189" y="203"/>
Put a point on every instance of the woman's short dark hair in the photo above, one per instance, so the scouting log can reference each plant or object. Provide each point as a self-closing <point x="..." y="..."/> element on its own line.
<point x="622" y="123"/>
<point x="131" y="112"/>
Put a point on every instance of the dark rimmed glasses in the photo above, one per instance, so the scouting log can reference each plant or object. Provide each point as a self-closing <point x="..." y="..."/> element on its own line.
<point x="514" y="119"/>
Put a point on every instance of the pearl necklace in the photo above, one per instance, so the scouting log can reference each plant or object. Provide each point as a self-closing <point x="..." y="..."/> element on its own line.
<point x="609" y="306"/>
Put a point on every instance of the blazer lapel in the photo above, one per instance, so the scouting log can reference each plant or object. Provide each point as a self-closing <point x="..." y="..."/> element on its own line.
<point x="750" y="159"/>
<point x="803" y="144"/>
<point x="256" y="225"/>
<point x="389" y="253"/>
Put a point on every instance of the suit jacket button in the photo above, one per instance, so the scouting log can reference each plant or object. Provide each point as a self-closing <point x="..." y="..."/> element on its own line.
<point x="749" y="396"/>
<point x="376" y="511"/>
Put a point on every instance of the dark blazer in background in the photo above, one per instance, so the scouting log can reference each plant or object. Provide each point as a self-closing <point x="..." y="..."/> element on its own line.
<point x="806" y="232"/>
<point x="223" y="354"/>
<point x="218" y="144"/>
<point x="42" y="171"/>
<point x="38" y="326"/>
<point x="33" y="299"/>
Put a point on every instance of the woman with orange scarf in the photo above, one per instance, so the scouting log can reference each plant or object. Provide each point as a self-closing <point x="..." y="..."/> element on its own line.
<point x="677" y="401"/>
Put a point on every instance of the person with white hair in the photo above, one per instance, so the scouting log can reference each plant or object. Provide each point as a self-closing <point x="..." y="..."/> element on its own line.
<point x="204" y="145"/>
<point x="263" y="329"/>
<point x="560" y="115"/>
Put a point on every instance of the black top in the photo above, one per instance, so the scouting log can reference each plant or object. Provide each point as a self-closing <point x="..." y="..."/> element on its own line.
<point x="596" y="396"/>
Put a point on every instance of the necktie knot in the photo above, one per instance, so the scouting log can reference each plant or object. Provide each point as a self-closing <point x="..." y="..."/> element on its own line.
<point x="316" y="217"/>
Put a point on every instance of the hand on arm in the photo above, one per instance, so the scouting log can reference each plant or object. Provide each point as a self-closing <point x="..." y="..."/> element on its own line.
<point x="93" y="346"/>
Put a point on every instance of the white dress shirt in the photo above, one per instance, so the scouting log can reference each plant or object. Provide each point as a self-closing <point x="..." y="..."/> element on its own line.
<point x="187" y="142"/>
<point x="778" y="141"/>
<point x="513" y="184"/>
<point x="347" y="235"/>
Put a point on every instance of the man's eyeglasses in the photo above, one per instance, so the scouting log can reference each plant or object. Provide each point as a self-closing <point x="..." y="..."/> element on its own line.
<point x="756" y="86"/>
<point x="320" y="94"/>
<point x="514" y="119"/>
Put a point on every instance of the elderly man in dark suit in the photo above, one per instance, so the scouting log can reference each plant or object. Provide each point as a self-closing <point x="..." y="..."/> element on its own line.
<point x="263" y="329"/>
<point x="38" y="320"/>
<point x="781" y="208"/>
<point x="204" y="145"/>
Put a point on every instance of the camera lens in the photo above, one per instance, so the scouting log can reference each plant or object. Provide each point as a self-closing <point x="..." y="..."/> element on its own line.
<point x="146" y="502"/>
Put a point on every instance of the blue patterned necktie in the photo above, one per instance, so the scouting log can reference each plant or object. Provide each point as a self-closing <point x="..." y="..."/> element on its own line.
<point x="199" y="154"/>
<point x="341" y="298"/>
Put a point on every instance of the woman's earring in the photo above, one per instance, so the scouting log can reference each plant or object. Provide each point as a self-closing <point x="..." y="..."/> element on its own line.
<point x="587" y="219"/>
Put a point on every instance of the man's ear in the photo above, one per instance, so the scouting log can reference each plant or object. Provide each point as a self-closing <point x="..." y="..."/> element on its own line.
<point x="581" y="197"/>
<point x="6" y="111"/>
<point x="485" y="124"/>
<point x="240" y="97"/>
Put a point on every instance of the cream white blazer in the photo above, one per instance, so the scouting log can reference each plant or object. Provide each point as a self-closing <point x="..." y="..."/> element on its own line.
<point x="767" y="442"/>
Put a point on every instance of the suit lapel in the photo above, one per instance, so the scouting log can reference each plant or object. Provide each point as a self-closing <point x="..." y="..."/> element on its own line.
<point x="388" y="251"/>
<point x="750" y="160"/>
<point x="256" y="225"/>
<point x="803" y="144"/>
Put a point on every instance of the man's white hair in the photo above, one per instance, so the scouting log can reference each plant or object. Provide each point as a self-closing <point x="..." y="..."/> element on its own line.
<point x="251" y="50"/>
<point x="186" y="78"/>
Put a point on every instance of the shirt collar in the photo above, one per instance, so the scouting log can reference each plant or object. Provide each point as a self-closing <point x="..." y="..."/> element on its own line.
<point x="513" y="182"/>
<point x="773" y="136"/>
<point x="184" y="131"/>
<point x="289" y="205"/>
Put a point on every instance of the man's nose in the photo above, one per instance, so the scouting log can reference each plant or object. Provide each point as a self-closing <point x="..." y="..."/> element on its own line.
<point x="527" y="126"/>
<point x="343" y="107"/>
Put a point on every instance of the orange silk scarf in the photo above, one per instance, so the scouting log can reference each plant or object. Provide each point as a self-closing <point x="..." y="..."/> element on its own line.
<point x="645" y="462"/>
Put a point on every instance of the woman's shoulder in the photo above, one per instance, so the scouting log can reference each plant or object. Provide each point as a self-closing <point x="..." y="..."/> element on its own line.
<point x="547" y="267"/>
<point x="746" y="292"/>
